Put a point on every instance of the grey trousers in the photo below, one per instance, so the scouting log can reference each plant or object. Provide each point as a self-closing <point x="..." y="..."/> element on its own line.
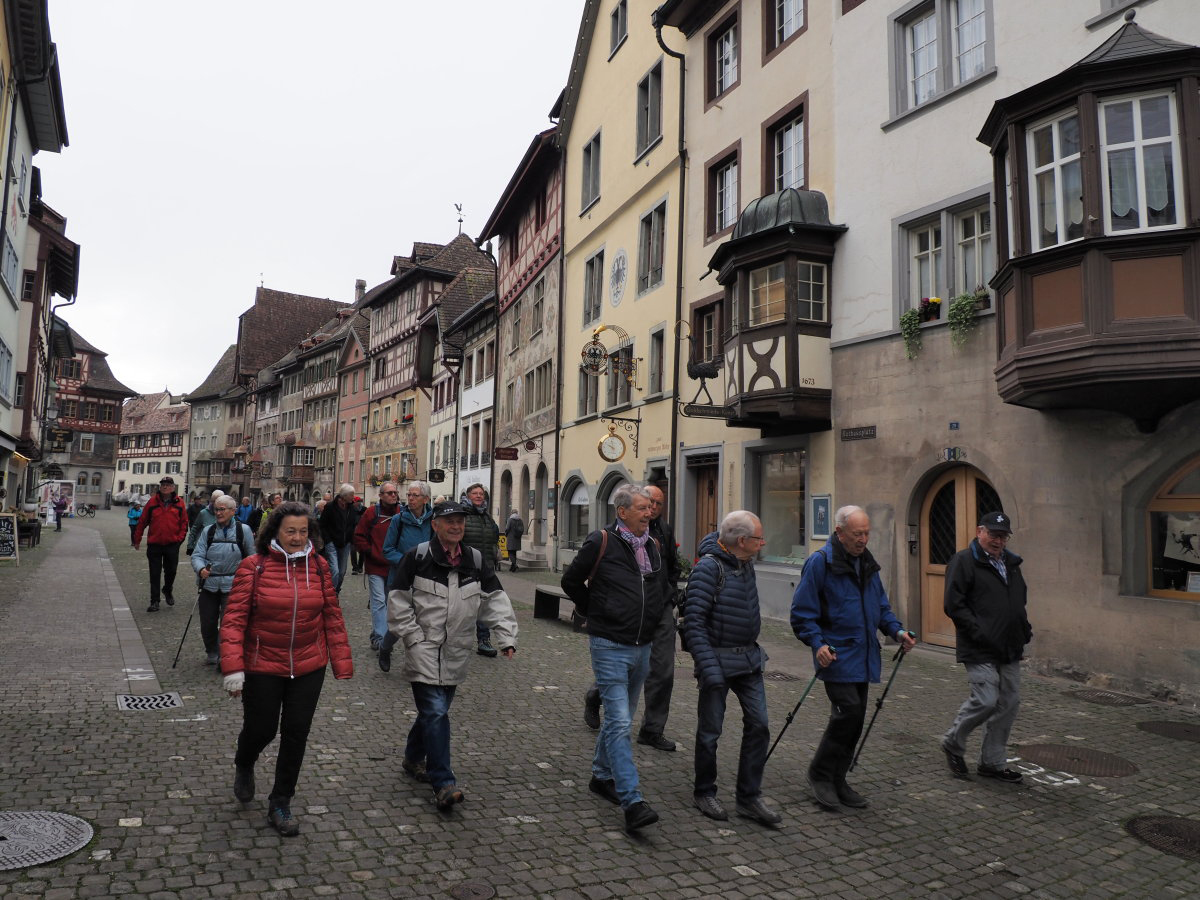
<point x="995" y="698"/>
<point x="661" y="679"/>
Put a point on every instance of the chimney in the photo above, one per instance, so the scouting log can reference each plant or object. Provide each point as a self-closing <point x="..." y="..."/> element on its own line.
<point x="360" y="288"/>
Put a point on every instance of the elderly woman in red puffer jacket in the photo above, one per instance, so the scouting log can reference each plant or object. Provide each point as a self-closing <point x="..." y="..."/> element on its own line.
<point x="282" y="627"/>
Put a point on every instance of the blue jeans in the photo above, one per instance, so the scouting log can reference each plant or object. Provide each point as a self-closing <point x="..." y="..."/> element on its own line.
<point x="429" y="737"/>
<point x="710" y="717"/>
<point x="993" y="703"/>
<point x="377" y="590"/>
<point x="620" y="671"/>
<point x="339" y="561"/>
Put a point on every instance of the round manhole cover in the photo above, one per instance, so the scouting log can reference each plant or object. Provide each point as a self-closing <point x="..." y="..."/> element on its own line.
<point x="1105" y="698"/>
<point x="472" y="890"/>
<point x="1077" y="760"/>
<point x="33" y="838"/>
<point x="1183" y="731"/>
<point x="1170" y="834"/>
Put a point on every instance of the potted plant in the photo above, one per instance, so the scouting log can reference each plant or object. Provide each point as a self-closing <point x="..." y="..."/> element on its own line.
<point x="961" y="317"/>
<point x="930" y="308"/>
<point x="910" y="330"/>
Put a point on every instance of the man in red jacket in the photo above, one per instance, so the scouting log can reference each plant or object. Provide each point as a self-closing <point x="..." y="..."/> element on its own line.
<point x="164" y="521"/>
<point x="369" y="533"/>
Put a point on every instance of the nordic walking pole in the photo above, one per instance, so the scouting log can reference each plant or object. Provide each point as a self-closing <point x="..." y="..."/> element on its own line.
<point x="185" y="631"/>
<point x="899" y="658"/>
<point x="791" y="716"/>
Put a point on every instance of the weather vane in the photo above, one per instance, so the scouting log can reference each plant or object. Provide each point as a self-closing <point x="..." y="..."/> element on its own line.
<point x="458" y="206"/>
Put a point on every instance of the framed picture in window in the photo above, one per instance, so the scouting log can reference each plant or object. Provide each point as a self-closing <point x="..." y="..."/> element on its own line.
<point x="819" y="515"/>
<point x="1193" y="583"/>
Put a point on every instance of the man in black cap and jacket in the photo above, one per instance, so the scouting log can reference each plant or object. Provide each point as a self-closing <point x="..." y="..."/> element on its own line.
<point x="985" y="598"/>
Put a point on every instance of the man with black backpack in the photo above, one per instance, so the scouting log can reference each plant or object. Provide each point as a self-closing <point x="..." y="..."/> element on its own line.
<point x="220" y="549"/>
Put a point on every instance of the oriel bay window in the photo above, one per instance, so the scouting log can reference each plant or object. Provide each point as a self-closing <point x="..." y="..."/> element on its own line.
<point x="1139" y="143"/>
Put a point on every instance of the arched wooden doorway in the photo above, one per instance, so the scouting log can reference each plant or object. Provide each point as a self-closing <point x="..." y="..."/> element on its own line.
<point x="950" y="513"/>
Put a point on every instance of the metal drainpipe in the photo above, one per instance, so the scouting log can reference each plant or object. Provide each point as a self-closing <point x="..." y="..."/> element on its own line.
<point x="555" y="534"/>
<point x="674" y="456"/>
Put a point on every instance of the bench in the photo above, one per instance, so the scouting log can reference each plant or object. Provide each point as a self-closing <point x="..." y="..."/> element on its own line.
<point x="546" y="602"/>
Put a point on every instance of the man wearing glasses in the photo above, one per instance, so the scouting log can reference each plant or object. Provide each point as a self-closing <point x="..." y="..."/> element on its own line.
<point x="985" y="598"/>
<point x="369" y="535"/>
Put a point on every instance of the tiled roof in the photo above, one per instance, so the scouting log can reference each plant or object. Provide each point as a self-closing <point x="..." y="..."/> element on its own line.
<point x="449" y="259"/>
<point x="154" y="413"/>
<point x="82" y="346"/>
<point x="471" y="286"/>
<point x="101" y="378"/>
<point x="1131" y="41"/>
<point x="219" y="379"/>
<point x="275" y="324"/>
<point x="526" y="179"/>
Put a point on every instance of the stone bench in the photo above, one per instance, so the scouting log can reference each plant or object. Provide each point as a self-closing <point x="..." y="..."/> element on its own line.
<point x="547" y="599"/>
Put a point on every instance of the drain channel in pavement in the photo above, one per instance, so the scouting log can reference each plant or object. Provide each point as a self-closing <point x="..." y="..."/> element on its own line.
<point x="1170" y="834"/>
<point x="1183" y="731"/>
<point x="1077" y="760"/>
<point x="143" y="702"/>
<point x="32" y="838"/>
<point x="1105" y="698"/>
<point x="472" y="890"/>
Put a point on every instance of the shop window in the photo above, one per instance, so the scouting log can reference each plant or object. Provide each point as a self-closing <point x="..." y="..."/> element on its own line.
<point x="1173" y="527"/>
<point x="578" y="515"/>
<point x="780" y="476"/>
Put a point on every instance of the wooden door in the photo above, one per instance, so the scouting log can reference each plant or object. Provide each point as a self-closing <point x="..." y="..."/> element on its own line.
<point x="706" y="503"/>
<point x="951" y="511"/>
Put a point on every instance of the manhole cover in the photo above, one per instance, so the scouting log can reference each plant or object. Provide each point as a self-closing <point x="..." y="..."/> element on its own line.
<point x="1183" y="731"/>
<point x="139" y="702"/>
<point x="472" y="890"/>
<point x="1077" y="760"/>
<point x="1170" y="834"/>
<point x="780" y="676"/>
<point x="33" y="838"/>
<point x="1105" y="698"/>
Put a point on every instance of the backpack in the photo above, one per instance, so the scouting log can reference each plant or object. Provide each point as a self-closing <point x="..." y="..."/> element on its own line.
<point x="423" y="551"/>
<point x="212" y="529"/>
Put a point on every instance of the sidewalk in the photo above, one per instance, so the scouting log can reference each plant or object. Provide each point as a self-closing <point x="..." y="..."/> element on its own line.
<point x="156" y="784"/>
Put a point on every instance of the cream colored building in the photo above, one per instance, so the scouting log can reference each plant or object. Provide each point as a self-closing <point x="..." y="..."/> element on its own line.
<point x="619" y="136"/>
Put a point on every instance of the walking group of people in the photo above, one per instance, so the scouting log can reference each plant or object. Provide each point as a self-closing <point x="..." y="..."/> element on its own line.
<point x="433" y="588"/>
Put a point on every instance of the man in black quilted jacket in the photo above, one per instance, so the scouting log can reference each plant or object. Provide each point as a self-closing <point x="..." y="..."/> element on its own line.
<point x="721" y="621"/>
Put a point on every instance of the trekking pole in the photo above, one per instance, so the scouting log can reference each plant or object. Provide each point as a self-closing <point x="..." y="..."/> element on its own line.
<point x="791" y="716"/>
<point x="185" y="631"/>
<point x="899" y="658"/>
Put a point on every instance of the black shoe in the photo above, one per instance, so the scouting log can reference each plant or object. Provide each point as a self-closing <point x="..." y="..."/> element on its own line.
<point x="759" y="812"/>
<point x="281" y="819"/>
<point x="447" y="795"/>
<point x="486" y="649"/>
<point x="243" y="783"/>
<point x="824" y="793"/>
<point x="385" y="652"/>
<point x="170" y="599"/>
<point x="711" y="807"/>
<point x="657" y="741"/>
<point x="591" y="709"/>
<point x="639" y="816"/>
<point x="850" y="797"/>
<point x="1000" y="773"/>
<point x="415" y="770"/>
<point x="211" y="658"/>
<point x="153" y="607"/>
<point x="605" y="789"/>
<point x="958" y="765"/>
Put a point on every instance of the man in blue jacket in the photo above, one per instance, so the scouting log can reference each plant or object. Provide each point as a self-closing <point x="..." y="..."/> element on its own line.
<point x="721" y="621"/>
<point x="838" y="605"/>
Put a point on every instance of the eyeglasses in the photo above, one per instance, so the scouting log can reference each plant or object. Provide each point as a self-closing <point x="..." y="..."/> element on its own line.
<point x="755" y="537"/>
<point x="389" y="492"/>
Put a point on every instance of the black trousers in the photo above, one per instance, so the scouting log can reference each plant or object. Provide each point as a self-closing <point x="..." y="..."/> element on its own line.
<point x="661" y="680"/>
<point x="212" y="607"/>
<point x="836" y="750"/>
<point x="277" y="704"/>
<point x="164" y="560"/>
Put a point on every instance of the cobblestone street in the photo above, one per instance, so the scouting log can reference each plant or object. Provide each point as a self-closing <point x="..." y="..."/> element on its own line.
<point x="156" y="785"/>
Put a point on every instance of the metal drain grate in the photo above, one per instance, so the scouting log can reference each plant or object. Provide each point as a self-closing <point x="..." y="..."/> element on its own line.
<point x="1182" y="731"/>
<point x="1170" y="834"/>
<point x="32" y="838"/>
<point x="472" y="890"/>
<point x="1077" y="760"/>
<point x="1105" y="698"/>
<point x="779" y="676"/>
<point x="143" y="702"/>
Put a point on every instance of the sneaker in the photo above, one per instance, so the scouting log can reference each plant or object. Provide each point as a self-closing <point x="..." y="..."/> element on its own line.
<point x="486" y="649"/>
<point x="447" y="795"/>
<point x="824" y="793"/>
<point x="211" y="658"/>
<point x="591" y="709"/>
<point x="758" y="811"/>
<point x="153" y="607"/>
<point x="243" y="783"/>
<point x="850" y="797"/>
<point x="711" y="807"/>
<point x="414" y="770"/>
<point x="169" y="598"/>
<point x="657" y="741"/>
<point x="281" y="819"/>
<point x="1000" y="773"/>
<point x="639" y="816"/>
<point x="958" y="765"/>
<point x="606" y="789"/>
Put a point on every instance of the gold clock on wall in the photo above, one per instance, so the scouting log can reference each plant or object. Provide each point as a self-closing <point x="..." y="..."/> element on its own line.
<point x="611" y="447"/>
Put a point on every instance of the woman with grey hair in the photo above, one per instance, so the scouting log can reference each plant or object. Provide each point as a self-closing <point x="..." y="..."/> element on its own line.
<point x="513" y="530"/>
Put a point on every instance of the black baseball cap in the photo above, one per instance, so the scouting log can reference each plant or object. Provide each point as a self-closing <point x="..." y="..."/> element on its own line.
<point x="447" y="508"/>
<point x="166" y="479"/>
<point x="996" y="521"/>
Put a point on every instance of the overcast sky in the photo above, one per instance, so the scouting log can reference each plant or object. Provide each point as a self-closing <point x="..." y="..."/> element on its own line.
<point x="222" y="144"/>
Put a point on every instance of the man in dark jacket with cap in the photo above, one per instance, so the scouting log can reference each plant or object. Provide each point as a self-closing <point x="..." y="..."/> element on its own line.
<point x="985" y="598"/>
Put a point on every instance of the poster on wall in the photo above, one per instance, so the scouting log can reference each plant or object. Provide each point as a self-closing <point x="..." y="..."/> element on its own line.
<point x="1183" y="538"/>
<point x="50" y="492"/>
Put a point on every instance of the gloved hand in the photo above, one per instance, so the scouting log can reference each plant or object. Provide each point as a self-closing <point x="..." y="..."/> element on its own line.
<point x="234" y="682"/>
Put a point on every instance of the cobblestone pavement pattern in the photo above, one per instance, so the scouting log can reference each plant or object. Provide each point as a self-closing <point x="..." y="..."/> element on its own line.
<point x="157" y="785"/>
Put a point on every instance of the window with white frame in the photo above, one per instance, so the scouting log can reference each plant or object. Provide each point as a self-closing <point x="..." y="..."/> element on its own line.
<point x="590" y="173"/>
<point x="173" y="467"/>
<point x="593" y="287"/>
<point x="811" y="303"/>
<point x="925" y="269"/>
<point x="1139" y="144"/>
<point x="969" y="39"/>
<point x="948" y="252"/>
<point x="6" y="371"/>
<point x="939" y="45"/>
<point x="657" y="360"/>
<point x="517" y="333"/>
<point x="649" y="109"/>
<point x="652" y="236"/>
<point x="767" y="295"/>
<point x="538" y="315"/>
<point x="122" y="465"/>
<point x="1056" y="180"/>
<point x="974" y="256"/>
<point x="786" y="17"/>
<point x="788" y="153"/>
<point x="723" y="58"/>
<point x="589" y="393"/>
<point x="921" y="58"/>
<point x="620" y="383"/>
<point x="723" y="194"/>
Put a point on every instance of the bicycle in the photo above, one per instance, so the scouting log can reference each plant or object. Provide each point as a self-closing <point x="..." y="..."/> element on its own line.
<point x="86" y="510"/>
